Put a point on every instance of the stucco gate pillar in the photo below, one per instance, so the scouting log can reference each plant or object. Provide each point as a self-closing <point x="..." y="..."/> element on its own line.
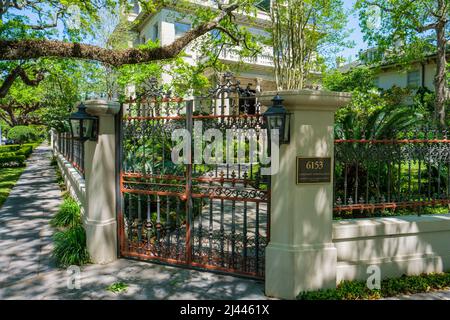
<point x="300" y="255"/>
<point x="100" y="175"/>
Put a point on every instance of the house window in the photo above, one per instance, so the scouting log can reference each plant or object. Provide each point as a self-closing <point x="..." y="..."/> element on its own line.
<point x="413" y="79"/>
<point x="155" y="34"/>
<point x="181" y="28"/>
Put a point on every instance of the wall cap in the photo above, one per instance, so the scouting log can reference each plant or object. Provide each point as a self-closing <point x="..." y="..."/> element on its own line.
<point x="98" y="107"/>
<point x="73" y="178"/>
<point x="394" y="226"/>
<point x="308" y="99"/>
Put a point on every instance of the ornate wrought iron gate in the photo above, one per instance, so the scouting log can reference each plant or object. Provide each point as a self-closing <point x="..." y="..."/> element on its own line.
<point x="201" y="215"/>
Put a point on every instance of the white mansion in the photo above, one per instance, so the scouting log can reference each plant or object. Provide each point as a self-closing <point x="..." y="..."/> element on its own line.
<point x="168" y="23"/>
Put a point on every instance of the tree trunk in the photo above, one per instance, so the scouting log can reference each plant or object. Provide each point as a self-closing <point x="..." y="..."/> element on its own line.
<point x="440" y="80"/>
<point x="290" y="43"/>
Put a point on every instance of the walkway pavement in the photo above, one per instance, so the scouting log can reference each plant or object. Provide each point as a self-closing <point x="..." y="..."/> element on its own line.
<point x="25" y="235"/>
<point x="28" y="272"/>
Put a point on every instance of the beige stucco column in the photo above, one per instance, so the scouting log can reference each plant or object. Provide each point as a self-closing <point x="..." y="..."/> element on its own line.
<point x="300" y="255"/>
<point x="100" y="175"/>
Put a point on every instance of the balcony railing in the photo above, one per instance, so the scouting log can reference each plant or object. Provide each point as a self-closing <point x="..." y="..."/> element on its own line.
<point x="265" y="58"/>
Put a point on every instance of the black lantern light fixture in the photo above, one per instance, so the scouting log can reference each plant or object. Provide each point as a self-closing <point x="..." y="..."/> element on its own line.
<point x="277" y="118"/>
<point x="83" y="126"/>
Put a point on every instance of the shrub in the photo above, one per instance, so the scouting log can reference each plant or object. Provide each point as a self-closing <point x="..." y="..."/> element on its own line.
<point x="40" y="131"/>
<point x="26" y="150"/>
<point x="346" y="290"/>
<point x="70" y="243"/>
<point x="11" y="160"/>
<point x="22" y="134"/>
<point x="14" y="155"/>
<point x="32" y="145"/>
<point x="54" y="162"/>
<point x="10" y="148"/>
<point x="60" y="181"/>
<point x="7" y="154"/>
<point x="70" y="247"/>
<point x="68" y="214"/>
<point x="355" y="290"/>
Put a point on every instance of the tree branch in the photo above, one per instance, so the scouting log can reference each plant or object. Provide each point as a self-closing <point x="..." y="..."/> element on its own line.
<point x="19" y="5"/>
<point x="232" y="36"/>
<point x="53" y="24"/>
<point x="32" y="82"/>
<point x="9" y="117"/>
<point x="10" y="78"/>
<point x="33" y="49"/>
<point x="20" y="72"/>
<point x="416" y="26"/>
<point x="427" y="27"/>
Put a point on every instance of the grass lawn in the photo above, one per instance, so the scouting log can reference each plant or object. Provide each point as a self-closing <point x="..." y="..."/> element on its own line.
<point x="8" y="178"/>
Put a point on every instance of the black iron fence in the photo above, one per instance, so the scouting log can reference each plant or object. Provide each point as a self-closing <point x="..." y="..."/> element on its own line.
<point x="72" y="150"/>
<point x="391" y="176"/>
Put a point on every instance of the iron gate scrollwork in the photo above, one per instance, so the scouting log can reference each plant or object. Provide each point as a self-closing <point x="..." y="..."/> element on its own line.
<point x="212" y="216"/>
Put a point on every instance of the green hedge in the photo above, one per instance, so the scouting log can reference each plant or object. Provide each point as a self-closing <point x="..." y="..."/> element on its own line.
<point x="8" y="161"/>
<point x="9" y="148"/>
<point x="33" y="144"/>
<point x="15" y="147"/>
<point x="15" y="155"/>
<point x="25" y="151"/>
<point x="7" y="154"/>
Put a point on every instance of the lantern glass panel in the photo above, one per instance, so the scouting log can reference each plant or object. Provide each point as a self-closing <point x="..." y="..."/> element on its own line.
<point x="275" y="122"/>
<point x="75" y="125"/>
<point x="287" y="128"/>
<point x="88" y="128"/>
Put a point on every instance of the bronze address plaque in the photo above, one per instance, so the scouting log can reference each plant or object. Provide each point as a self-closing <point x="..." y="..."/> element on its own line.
<point x="313" y="170"/>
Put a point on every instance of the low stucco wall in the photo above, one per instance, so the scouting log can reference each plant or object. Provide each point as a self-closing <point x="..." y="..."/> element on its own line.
<point x="74" y="181"/>
<point x="398" y="245"/>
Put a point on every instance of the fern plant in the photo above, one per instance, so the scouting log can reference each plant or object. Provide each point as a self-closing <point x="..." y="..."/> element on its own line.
<point x="70" y="247"/>
<point x="380" y="124"/>
<point x="68" y="215"/>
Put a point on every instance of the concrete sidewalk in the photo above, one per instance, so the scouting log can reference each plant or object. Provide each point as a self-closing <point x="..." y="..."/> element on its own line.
<point x="28" y="272"/>
<point x="144" y="280"/>
<point x="25" y="235"/>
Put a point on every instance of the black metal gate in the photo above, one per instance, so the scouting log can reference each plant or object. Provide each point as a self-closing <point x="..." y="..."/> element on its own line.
<point x="210" y="216"/>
